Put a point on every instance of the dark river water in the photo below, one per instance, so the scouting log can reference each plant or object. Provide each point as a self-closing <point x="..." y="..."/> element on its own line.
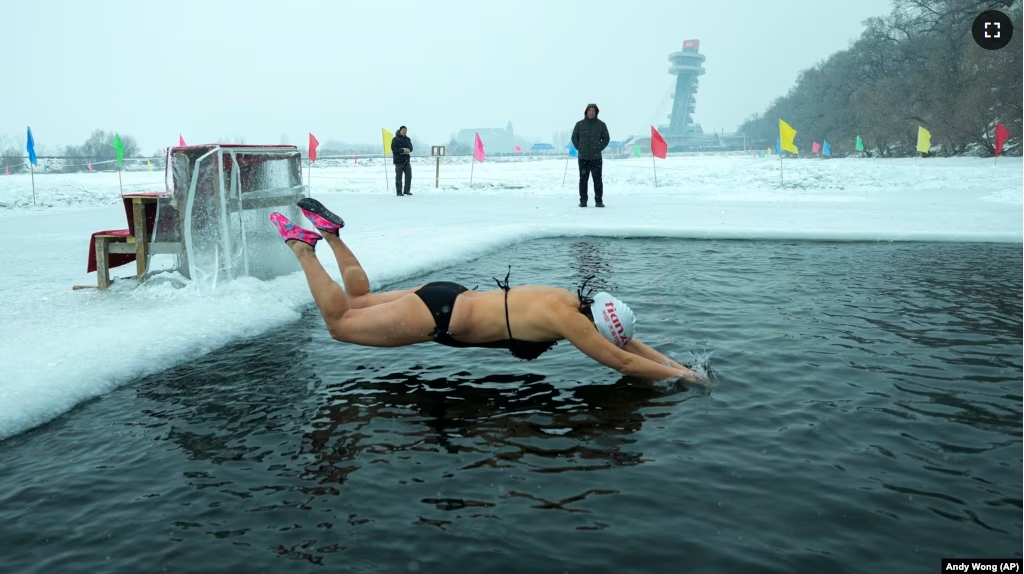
<point x="865" y="417"/>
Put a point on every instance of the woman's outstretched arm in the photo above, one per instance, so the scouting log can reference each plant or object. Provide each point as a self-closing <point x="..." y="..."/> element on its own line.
<point x="637" y="347"/>
<point x="579" y="331"/>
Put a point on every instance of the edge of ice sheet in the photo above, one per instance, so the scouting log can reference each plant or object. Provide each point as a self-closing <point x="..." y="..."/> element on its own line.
<point x="80" y="362"/>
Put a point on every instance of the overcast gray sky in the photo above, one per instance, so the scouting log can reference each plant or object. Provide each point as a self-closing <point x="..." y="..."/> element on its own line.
<point x="341" y="69"/>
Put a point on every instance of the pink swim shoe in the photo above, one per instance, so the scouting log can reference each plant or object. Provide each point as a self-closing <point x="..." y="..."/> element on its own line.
<point x="322" y="218"/>
<point x="290" y="231"/>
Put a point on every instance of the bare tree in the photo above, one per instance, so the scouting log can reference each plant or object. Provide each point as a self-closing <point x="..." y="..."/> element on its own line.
<point x="98" y="150"/>
<point x="11" y="156"/>
<point x="455" y="147"/>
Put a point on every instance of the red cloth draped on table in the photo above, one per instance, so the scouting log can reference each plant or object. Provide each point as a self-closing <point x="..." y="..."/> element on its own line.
<point x="118" y="259"/>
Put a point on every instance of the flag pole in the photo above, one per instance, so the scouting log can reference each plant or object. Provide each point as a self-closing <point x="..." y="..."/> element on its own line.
<point x="472" y="164"/>
<point x="782" y="180"/>
<point x="33" y="170"/>
<point x="566" y="172"/>
<point x="654" y="164"/>
<point x="119" y="184"/>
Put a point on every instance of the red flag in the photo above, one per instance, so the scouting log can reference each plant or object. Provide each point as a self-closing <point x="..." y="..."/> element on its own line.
<point x="313" y="144"/>
<point x="658" y="146"/>
<point x="181" y="141"/>
<point x="478" y="149"/>
<point x="518" y="149"/>
<point x="1001" y="135"/>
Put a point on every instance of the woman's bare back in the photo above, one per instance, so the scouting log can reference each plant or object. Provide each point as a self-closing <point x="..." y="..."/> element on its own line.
<point x="479" y="317"/>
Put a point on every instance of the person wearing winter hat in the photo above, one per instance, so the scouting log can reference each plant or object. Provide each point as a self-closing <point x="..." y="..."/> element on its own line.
<point x="590" y="137"/>
<point x="601" y="327"/>
<point x="401" y="151"/>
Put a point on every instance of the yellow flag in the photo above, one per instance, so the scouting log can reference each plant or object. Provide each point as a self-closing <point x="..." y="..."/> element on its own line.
<point x="388" y="136"/>
<point x="149" y="165"/>
<point x="786" y="135"/>
<point x="924" y="140"/>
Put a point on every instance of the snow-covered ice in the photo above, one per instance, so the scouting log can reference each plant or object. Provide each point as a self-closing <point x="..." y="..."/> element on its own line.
<point x="59" y="347"/>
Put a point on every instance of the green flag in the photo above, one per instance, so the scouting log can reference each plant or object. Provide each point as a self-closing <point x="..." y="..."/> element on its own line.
<point x="860" y="144"/>
<point x="636" y="151"/>
<point x="119" y="147"/>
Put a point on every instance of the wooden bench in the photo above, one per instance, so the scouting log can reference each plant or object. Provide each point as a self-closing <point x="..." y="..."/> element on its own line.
<point x="105" y="243"/>
<point x="135" y="241"/>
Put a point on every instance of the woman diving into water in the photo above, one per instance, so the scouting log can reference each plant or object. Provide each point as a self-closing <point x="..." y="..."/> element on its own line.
<point x="447" y="313"/>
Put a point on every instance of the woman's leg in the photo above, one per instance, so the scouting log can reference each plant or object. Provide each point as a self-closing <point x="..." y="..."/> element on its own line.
<point x="400" y="322"/>
<point x="357" y="284"/>
<point x="328" y="295"/>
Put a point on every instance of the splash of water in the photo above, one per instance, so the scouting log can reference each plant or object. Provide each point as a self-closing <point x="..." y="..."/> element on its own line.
<point x="700" y="364"/>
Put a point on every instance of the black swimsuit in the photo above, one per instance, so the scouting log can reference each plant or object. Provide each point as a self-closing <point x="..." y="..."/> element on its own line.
<point x="439" y="297"/>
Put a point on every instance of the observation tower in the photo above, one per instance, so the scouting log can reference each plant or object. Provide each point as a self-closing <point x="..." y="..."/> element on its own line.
<point x="687" y="66"/>
<point x="682" y="134"/>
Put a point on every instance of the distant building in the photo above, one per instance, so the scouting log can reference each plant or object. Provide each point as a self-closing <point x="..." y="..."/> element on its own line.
<point x="496" y="140"/>
<point x="683" y="133"/>
<point x="687" y="66"/>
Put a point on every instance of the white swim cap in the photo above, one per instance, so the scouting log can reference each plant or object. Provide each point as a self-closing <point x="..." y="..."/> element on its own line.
<point x="613" y="319"/>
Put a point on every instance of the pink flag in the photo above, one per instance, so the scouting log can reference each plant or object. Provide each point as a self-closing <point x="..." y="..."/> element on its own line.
<point x="313" y="144"/>
<point x="659" y="147"/>
<point x="89" y="165"/>
<point x="1001" y="136"/>
<point x="7" y="170"/>
<point x="357" y="158"/>
<point x="181" y="141"/>
<point x="814" y="147"/>
<point x="478" y="149"/>
<point x="518" y="149"/>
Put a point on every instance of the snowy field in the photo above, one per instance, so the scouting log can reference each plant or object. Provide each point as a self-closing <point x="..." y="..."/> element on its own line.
<point x="60" y="347"/>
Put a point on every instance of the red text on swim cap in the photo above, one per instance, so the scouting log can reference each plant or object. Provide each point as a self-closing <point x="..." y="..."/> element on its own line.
<point x="610" y="312"/>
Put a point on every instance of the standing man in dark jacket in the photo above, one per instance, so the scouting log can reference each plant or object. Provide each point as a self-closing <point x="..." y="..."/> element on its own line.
<point x="401" y="150"/>
<point x="590" y="137"/>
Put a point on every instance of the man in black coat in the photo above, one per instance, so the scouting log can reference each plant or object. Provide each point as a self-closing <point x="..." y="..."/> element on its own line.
<point x="401" y="150"/>
<point x="590" y="137"/>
